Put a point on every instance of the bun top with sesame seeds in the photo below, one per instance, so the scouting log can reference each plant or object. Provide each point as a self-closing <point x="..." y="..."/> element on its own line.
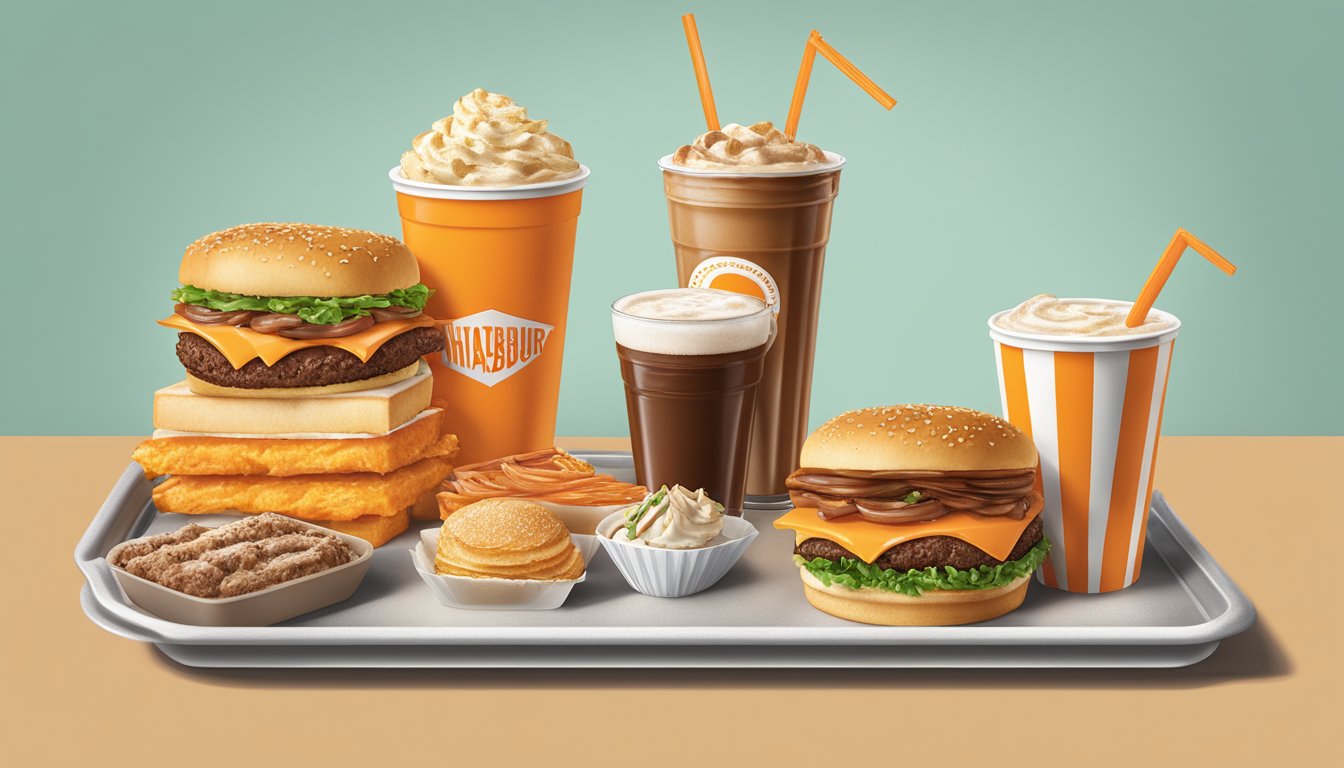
<point x="277" y="259"/>
<point x="507" y="539"/>
<point x="918" y="437"/>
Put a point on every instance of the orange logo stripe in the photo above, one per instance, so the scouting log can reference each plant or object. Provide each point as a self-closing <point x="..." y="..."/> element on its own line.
<point x="1073" y="392"/>
<point x="1019" y="414"/>
<point x="1015" y="384"/>
<point x="1128" y="465"/>
<point x="1157" y="441"/>
<point x="1048" y="574"/>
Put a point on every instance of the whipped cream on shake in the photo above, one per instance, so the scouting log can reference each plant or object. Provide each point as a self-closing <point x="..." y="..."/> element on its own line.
<point x="1050" y="315"/>
<point x="488" y="141"/>
<point x="756" y="148"/>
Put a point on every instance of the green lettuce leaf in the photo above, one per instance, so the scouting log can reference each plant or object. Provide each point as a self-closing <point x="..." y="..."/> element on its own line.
<point x="311" y="309"/>
<point x="856" y="573"/>
<point x="632" y="518"/>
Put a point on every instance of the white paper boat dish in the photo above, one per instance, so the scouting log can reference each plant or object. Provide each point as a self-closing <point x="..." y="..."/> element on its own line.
<point x="676" y="572"/>
<point x="494" y="594"/>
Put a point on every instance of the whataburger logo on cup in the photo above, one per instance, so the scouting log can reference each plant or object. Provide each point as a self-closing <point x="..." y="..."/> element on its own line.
<point x="491" y="346"/>
<point x="729" y="273"/>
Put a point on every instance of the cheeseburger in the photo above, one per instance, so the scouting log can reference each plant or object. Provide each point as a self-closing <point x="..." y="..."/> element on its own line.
<point x="305" y="394"/>
<point x="299" y="309"/>
<point x="916" y="515"/>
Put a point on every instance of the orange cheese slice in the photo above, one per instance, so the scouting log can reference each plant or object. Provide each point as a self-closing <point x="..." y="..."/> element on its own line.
<point x="996" y="536"/>
<point x="239" y="345"/>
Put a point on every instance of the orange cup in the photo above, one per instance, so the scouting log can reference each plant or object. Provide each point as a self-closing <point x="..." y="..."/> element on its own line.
<point x="499" y="260"/>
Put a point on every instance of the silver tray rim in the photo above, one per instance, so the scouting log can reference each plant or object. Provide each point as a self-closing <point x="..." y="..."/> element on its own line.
<point x="122" y="618"/>
<point x="645" y="657"/>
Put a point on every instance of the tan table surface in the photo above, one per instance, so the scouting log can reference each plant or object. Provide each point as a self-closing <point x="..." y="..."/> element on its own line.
<point x="75" y="695"/>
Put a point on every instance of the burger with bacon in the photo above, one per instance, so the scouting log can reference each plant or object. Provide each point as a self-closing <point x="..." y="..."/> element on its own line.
<point x="916" y="515"/>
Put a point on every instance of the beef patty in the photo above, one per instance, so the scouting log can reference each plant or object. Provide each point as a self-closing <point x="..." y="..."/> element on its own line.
<point x="932" y="551"/>
<point x="308" y="367"/>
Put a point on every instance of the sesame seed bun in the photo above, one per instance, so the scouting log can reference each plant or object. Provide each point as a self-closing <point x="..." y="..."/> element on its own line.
<point x="298" y="260"/>
<point x="507" y="539"/>
<point x="936" y="608"/>
<point x="915" y="437"/>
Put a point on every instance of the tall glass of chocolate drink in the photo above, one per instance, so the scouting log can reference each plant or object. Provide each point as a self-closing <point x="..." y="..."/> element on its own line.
<point x="692" y="359"/>
<point x="750" y="211"/>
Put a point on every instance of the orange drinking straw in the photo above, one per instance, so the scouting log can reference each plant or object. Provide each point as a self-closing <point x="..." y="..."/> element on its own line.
<point x="701" y="71"/>
<point x="853" y="73"/>
<point x="817" y="45"/>
<point x="1179" y="242"/>
<point x="800" y="85"/>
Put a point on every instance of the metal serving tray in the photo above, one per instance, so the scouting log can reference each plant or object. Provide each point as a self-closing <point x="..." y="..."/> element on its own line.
<point x="756" y="617"/>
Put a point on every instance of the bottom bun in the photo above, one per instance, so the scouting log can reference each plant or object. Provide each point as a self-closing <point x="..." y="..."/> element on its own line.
<point x="936" y="608"/>
<point x="202" y="387"/>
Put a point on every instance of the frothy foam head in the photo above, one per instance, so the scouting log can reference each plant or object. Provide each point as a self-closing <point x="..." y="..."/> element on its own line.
<point x="691" y="321"/>
<point x="1051" y="316"/>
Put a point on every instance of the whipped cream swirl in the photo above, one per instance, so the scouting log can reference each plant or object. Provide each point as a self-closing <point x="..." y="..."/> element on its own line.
<point x="490" y="142"/>
<point x="1050" y="315"/>
<point x="674" y="518"/>
<point x="756" y="148"/>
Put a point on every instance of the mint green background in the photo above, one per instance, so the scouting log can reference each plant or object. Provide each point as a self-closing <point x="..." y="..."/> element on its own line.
<point x="1036" y="147"/>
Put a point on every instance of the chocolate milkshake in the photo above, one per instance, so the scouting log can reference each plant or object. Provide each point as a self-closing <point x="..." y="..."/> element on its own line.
<point x="691" y="360"/>
<point x="750" y="211"/>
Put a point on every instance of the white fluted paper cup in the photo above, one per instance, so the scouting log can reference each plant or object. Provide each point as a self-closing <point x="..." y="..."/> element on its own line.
<point x="676" y="572"/>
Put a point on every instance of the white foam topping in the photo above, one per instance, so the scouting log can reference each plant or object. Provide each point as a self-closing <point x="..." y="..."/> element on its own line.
<point x="691" y="321"/>
<point x="1048" y="315"/>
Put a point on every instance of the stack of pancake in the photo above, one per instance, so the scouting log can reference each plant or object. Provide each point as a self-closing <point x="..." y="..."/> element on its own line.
<point x="507" y="539"/>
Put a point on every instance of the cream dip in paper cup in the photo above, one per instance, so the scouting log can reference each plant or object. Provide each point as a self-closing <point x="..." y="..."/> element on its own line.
<point x="676" y="572"/>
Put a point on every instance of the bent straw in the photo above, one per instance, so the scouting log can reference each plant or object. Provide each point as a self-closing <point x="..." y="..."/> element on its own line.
<point x="1179" y="242"/>
<point x="815" y="44"/>
<point x="853" y="73"/>
<point x="701" y="71"/>
<point x="800" y="85"/>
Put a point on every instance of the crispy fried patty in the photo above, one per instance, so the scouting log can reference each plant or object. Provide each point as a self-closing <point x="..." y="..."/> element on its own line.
<point x="308" y="367"/>
<point x="935" y="551"/>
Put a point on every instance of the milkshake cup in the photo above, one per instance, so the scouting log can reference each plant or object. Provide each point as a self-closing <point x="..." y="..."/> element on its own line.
<point x="691" y="360"/>
<point x="498" y="253"/>
<point x="762" y="233"/>
<point x="1092" y="400"/>
<point x="750" y="211"/>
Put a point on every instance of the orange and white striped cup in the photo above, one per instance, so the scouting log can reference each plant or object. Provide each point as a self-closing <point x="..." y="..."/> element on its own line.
<point x="1093" y="406"/>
